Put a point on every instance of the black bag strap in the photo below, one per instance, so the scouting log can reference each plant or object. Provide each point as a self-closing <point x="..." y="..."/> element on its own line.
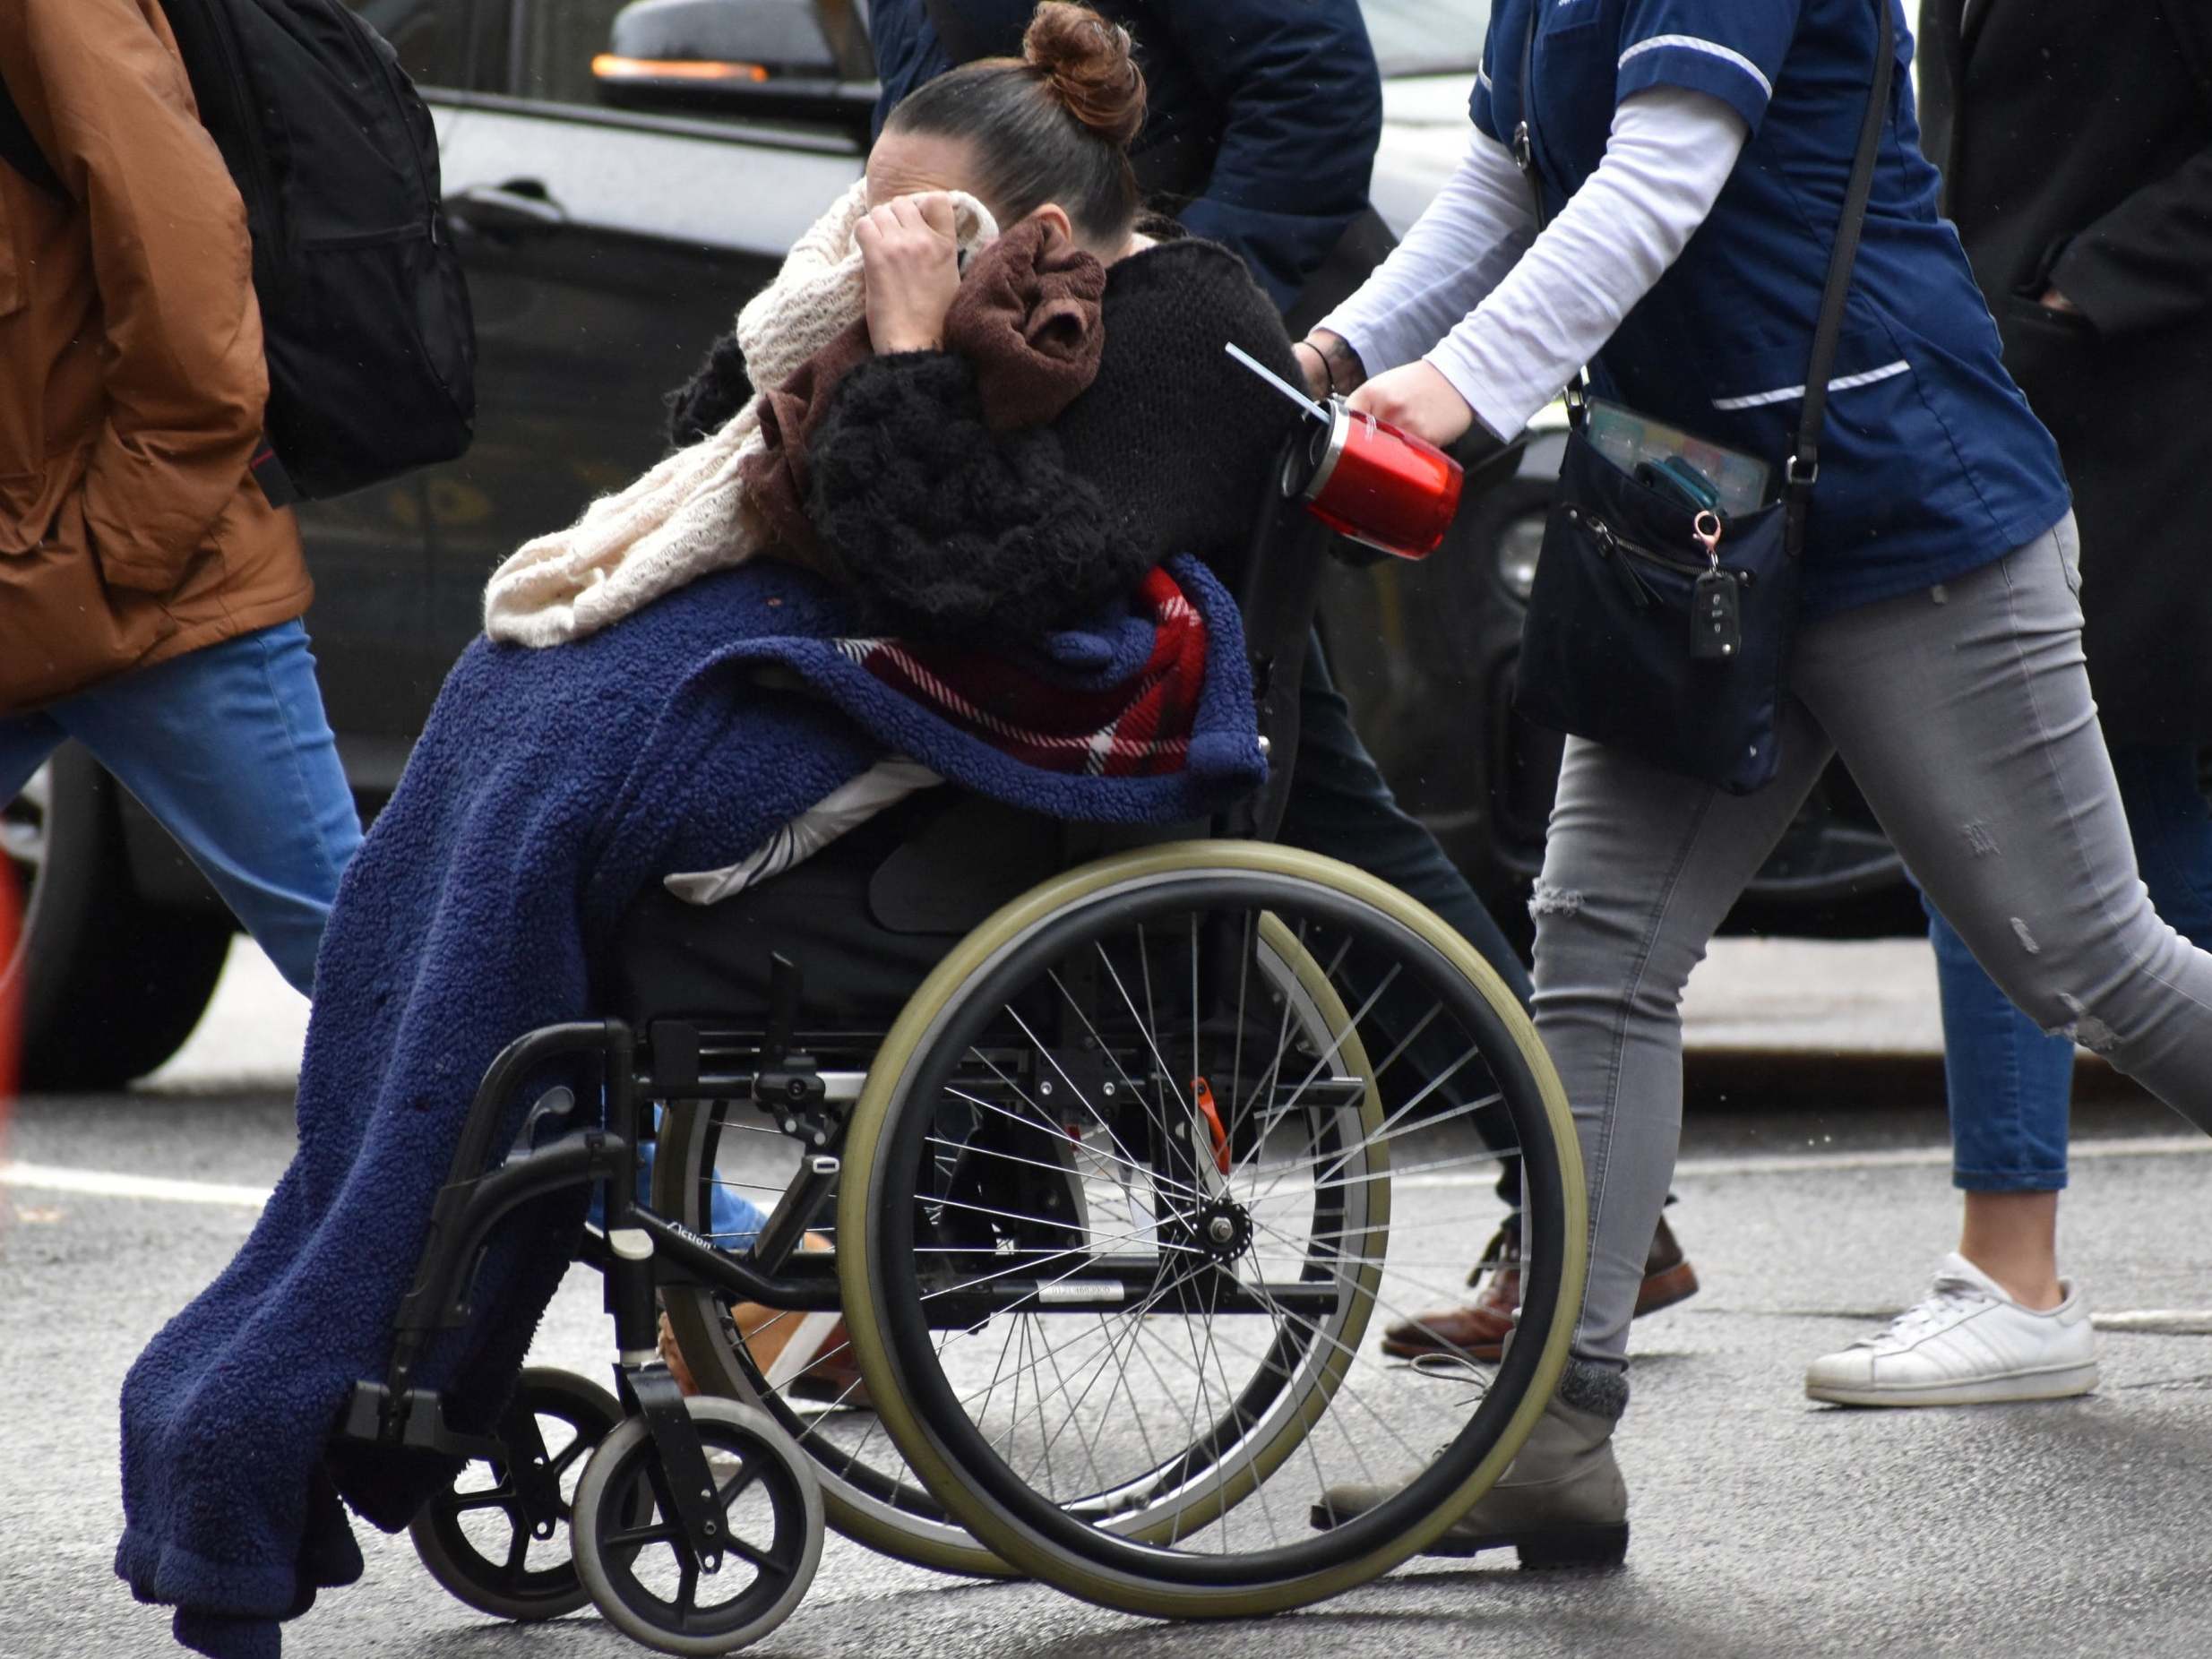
<point x="1803" y="467"/>
<point x="1804" y="464"/>
<point x="21" y="152"/>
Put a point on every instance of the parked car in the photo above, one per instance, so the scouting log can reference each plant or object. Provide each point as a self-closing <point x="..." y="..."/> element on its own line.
<point x="622" y="177"/>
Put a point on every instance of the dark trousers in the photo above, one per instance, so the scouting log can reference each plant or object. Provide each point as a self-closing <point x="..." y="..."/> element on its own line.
<point x="1340" y="806"/>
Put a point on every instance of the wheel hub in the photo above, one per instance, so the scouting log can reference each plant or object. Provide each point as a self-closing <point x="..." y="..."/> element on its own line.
<point x="1224" y="1230"/>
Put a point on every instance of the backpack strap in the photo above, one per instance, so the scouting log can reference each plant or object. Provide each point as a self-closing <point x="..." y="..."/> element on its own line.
<point x="21" y="152"/>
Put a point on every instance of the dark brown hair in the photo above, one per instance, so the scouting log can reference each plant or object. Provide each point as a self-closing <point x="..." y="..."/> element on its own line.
<point x="1053" y="124"/>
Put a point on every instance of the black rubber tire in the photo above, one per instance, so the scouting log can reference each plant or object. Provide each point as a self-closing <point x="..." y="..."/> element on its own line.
<point x="624" y="1467"/>
<point x="450" y="1557"/>
<point x="111" y="986"/>
<point x="883" y="1298"/>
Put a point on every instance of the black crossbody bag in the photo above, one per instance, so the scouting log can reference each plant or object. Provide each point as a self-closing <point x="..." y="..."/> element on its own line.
<point x="1639" y="635"/>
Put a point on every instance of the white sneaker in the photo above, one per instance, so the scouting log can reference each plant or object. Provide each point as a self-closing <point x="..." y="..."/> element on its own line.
<point x="1967" y="1343"/>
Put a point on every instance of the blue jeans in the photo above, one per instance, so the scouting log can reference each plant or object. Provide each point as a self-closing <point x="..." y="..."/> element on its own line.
<point x="2010" y="1084"/>
<point x="227" y="747"/>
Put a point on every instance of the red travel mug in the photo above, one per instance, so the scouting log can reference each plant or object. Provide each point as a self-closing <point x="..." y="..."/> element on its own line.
<point x="1384" y="488"/>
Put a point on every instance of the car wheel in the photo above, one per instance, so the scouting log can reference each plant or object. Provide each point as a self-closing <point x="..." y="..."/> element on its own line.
<point x="110" y="986"/>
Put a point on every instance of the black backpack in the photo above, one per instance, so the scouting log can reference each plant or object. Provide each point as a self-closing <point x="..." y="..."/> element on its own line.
<point x="366" y="315"/>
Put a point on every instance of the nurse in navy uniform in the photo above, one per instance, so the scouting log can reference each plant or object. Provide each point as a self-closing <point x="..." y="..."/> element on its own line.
<point x="1694" y="156"/>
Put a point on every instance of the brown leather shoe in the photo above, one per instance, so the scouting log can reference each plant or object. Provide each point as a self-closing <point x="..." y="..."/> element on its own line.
<point x="1475" y="1332"/>
<point x="1478" y="1331"/>
<point x="1668" y="1277"/>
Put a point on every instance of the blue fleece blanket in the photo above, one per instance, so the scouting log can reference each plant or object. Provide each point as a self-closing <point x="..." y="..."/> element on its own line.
<point x="548" y="789"/>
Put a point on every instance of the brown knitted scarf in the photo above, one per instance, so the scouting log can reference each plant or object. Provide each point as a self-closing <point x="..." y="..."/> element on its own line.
<point x="1026" y="316"/>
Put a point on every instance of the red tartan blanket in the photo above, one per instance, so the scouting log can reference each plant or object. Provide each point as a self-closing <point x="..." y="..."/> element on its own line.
<point x="1090" y="718"/>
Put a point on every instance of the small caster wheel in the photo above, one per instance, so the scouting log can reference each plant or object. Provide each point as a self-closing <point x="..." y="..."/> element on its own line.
<point x="474" y="1536"/>
<point x="642" y="1573"/>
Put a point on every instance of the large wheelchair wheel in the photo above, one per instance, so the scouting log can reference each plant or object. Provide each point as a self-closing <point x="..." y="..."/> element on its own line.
<point x="1131" y="1177"/>
<point x="869" y="1492"/>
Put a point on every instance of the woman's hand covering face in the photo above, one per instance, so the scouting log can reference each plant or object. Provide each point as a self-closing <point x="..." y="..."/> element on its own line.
<point x="910" y="261"/>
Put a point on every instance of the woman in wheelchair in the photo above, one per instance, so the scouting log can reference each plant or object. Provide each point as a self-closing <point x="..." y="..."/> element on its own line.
<point x="944" y="514"/>
<point x="1099" y="1150"/>
<point x="942" y="522"/>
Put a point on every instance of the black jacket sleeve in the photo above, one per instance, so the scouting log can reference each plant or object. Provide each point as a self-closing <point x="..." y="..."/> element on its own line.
<point x="946" y="530"/>
<point x="1303" y="104"/>
<point x="2143" y="266"/>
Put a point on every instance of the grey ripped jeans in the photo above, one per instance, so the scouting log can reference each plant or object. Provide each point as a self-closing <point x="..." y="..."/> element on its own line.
<point x="1964" y="714"/>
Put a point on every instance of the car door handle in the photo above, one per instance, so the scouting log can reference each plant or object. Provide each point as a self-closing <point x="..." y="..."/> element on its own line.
<point x="518" y="208"/>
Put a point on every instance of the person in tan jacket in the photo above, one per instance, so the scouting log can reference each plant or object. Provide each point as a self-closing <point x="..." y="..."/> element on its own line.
<point x="150" y="596"/>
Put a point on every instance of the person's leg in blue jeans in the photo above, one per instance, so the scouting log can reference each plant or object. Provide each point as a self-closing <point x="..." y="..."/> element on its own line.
<point x="26" y="741"/>
<point x="733" y="1220"/>
<point x="229" y="748"/>
<point x="2009" y="1083"/>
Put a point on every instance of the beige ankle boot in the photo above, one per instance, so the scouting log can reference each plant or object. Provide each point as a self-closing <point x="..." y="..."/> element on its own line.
<point x="1561" y="1503"/>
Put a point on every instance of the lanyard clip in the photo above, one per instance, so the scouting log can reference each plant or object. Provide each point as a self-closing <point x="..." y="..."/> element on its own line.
<point x="1705" y="530"/>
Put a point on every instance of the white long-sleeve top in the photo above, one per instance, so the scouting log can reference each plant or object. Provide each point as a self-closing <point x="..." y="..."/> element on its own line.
<point x="1507" y="315"/>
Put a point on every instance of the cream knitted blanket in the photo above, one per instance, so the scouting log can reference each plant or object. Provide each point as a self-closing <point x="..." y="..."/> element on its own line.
<point x="686" y="517"/>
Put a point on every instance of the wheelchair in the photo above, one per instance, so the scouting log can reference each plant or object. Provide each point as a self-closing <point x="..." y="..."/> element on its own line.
<point x="1122" y="1145"/>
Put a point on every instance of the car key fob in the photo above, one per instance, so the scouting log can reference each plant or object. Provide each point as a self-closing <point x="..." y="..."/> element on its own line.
<point x="1715" y="618"/>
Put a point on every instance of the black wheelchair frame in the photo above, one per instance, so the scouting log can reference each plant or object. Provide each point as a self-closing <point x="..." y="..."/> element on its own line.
<point x="639" y="1251"/>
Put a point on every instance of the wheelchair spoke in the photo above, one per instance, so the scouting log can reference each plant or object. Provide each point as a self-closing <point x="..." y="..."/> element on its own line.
<point x="1145" y="1026"/>
<point x="1197" y="1055"/>
<point x="1327" y="1056"/>
<point x="1033" y="1122"/>
<point x="1130" y="1287"/>
<point x="1121" y="1154"/>
<point x="1382" y="1132"/>
<point x="1382" y="1066"/>
<point x="1008" y="1215"/>
<point x="760" y="1558"/>
<point x="1385" y="1304"/>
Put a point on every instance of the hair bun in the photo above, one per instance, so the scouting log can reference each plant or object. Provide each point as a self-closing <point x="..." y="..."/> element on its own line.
<point x="1088" y="62"/>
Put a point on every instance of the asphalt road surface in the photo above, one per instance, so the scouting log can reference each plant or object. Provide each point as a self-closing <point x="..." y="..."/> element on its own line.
<point x="1764" y="1525"/>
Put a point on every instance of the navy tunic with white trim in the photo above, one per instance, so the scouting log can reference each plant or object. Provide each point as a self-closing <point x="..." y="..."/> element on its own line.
<point x="1930" y="463"/>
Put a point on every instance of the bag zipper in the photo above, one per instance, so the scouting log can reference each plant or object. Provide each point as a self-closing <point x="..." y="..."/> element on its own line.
<point x="1609" y="541"/>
